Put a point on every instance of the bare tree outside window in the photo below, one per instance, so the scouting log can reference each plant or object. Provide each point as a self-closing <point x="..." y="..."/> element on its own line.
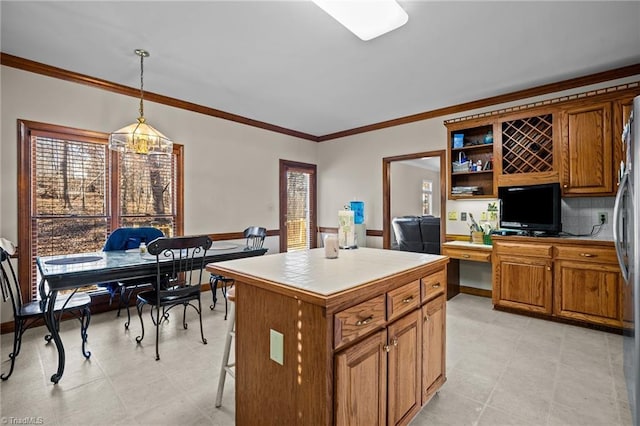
<point x="75" y="192"/>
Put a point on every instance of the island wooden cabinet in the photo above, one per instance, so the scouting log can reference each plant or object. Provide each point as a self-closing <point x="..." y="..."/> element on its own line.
<point x="587" y="150"/>
<point x="361" y="382"/>
<point x="360" y="354"/>
<point x="572" y="279"/>
<point x="433" y="346"/>
<point x="404" y="368"/>
<point x="378" y="380"/>
<point x="522" y="276"/>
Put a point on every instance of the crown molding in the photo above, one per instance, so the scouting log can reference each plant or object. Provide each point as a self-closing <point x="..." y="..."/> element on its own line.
<point x="50" y="71"/>
<point x="62" y="74"/>
<point x="545" y="89"/>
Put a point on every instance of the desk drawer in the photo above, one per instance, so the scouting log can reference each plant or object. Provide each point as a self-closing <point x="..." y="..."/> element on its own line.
<point x="587" y="253"/>
<point x="467" y="254"/>
<point x="403" y="299"/>
<point x="523" y="249"/>
<point x="433" y="285"/>
<point x="358" y="320"/>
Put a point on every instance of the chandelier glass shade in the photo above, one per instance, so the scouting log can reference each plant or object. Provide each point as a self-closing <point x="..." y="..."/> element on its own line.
<point x="139" y="137"/>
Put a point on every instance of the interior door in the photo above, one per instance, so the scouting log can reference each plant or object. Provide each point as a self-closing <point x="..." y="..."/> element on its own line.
<point x="298" y="229"/>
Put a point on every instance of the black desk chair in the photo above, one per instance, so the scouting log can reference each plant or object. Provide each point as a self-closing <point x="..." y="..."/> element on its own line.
<point x="25" y="315"/>
<point x="125" y="239"/>
<point x="254" y="236"/>
<point x="179" y="266"/>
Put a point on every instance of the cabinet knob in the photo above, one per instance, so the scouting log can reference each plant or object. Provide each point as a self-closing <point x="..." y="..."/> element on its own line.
<point x="365" y="321"/>
<point x="426" y="318"/>
<point x="548" y="268"/>
<point x="394" y="341"/>
<point x="466" y="256"/>
<point x="565" y="186"/>
<point x="587" y="255"/>
<point x="407" y="300"/>
<point x="386" y="348"/>
<point x="437" y="285"/>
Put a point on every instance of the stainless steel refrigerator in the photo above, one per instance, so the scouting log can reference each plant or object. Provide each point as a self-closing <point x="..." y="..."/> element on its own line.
<point x="626" y="225"/>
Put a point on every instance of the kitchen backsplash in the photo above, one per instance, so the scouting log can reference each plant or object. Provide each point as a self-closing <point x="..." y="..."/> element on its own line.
<point x="579" y="215"/>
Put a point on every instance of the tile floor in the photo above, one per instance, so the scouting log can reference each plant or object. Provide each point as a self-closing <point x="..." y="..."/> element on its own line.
<point x="502" y="369"/>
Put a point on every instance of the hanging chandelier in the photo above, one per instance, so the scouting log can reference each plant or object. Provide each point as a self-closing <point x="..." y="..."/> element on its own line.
<point x="139" y="137"/>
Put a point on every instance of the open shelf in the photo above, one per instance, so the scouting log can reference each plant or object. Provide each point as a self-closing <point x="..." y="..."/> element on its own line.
<point x="473" y="144"/>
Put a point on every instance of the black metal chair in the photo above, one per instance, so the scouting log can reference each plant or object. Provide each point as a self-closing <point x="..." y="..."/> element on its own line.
<point x="254" y="236"/>
<point x="179" y="266"/>
<point x="25" y="315"/>
<point x="125" y="239"/>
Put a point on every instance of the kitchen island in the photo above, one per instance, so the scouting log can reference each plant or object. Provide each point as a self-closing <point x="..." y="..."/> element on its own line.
<point x="355" y="340"/>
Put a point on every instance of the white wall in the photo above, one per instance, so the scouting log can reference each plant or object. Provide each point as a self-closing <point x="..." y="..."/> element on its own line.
<point x="352" y="166"/>
<point x="406" y="189"/>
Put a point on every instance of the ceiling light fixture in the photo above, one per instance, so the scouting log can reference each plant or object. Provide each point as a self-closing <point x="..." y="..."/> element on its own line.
<point x="140" y="138"/>
<point x="367" y="19"/>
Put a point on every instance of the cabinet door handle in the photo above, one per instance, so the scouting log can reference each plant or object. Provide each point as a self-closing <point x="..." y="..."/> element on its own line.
<point x="426" y="318"/>
<point x="386" y="348"/>
<point x="437" y="285"/>
<point x="365" y="321"/>
<point x="587" y="255"/>
<point x="407" y="300"/>
<point x="466" y="256"/>
<point x="394" y="341"/>
<point x="548" y="268"/>
<point x="565" y="186"/>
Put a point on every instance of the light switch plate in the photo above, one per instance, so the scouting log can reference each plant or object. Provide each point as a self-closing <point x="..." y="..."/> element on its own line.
<point x="453" y="215"/>
<point x="463" y="216"/>
<point x="276" y="346"/>
<point x="483" y="216"/>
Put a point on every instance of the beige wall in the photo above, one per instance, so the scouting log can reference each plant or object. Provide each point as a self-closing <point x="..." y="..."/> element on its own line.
<point x="352" y="166"/>
<point x="406" y="189"/>
<point x="231" y="170"/>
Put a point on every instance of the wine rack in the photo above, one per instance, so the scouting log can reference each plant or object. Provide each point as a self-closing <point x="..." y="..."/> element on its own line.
<point x="527" y="145"/>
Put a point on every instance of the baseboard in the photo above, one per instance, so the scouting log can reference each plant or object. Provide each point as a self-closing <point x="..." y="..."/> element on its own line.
<point x="475" y="291"/>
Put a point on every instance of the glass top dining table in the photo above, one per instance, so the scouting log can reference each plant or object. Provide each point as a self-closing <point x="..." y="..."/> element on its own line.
<point x="72" y="271"/>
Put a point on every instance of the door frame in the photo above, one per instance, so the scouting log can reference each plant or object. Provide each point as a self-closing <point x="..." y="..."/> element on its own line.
<point x="386" y="192"/>
<point x="286" y="165"/>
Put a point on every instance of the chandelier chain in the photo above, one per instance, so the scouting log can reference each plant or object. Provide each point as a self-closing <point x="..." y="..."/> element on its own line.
<point x="141" y="86"/>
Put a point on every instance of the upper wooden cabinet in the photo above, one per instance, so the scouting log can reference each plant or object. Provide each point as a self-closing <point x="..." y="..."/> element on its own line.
<point x="573" y="140"/>
<point x="468" y="147"/>
<point x="587" y="151"/>
<point x="527" y="150"/>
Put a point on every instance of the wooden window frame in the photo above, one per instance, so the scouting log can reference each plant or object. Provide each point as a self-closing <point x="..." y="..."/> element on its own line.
<point x="27" y="129"/>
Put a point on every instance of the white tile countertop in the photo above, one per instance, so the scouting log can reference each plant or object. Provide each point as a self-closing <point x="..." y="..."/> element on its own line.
<point x="309" y="270"/>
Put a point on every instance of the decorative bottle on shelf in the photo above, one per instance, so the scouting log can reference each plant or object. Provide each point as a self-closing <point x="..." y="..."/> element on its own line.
<point x="488" y="137"/>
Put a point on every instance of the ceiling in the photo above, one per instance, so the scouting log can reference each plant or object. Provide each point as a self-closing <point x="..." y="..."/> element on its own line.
<point x="287" y="63"/>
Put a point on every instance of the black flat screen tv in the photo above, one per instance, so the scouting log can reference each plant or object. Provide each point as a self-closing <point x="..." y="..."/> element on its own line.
<point x="531" y="208"/>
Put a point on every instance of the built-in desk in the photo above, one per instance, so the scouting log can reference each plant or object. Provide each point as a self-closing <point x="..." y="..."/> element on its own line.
<point x="464" y="250"/>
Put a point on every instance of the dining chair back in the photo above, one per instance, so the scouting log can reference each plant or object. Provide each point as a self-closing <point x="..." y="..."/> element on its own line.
<point x="254" y="236"/>
<point x="127" y="238"/>
<point x="28" y="314"/>
<point x="180" y="262"/>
